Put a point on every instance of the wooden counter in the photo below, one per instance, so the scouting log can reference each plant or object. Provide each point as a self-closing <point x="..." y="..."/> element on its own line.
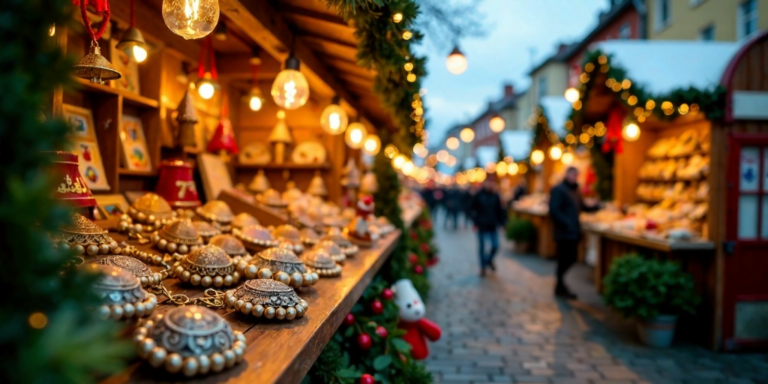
<point x="545" y="242"/>
<point x="279" y="352"/>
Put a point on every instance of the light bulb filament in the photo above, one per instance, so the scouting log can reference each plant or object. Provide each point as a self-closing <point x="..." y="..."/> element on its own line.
<point x="290" y="93"/>
<point x="334" y="121"/>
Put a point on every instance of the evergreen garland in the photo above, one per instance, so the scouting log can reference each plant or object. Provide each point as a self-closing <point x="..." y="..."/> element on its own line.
<point x="47" y="332"/>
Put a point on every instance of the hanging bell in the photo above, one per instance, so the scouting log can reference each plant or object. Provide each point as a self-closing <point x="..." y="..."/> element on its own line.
<point x="96" y="67"/>
<point x="133" y="42"/>
<point x="187" y="118"/>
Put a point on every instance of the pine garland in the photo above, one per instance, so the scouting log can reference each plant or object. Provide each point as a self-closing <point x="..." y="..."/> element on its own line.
<point x="47" y="332"/>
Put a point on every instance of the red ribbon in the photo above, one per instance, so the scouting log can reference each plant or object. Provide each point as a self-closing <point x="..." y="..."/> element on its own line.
<point x="207" y="46"/>
<point x="613" y="139"/>
<point x="102" y="8"/>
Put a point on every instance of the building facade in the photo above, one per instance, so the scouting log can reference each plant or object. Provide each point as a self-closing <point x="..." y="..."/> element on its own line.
<point x="718" y="20"/>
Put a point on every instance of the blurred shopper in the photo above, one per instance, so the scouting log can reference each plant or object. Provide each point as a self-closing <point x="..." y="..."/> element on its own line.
<point x="521" y="189"/>
<point x="565" y="204"/>
<point x="452" y="203"/>
<point x="467" y="195"/>
<point x="488" y="215"/>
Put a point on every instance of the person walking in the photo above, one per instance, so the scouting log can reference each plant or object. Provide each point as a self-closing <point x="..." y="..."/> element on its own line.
<point x="452" y="202"/>
<point x="565" y="204"/>
<point x="487" y="214"/>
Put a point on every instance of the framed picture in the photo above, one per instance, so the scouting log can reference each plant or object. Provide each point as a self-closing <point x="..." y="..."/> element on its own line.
<point x="111" y="205"/>
<point x="135" y="151"/>
<point x="215" y="175"/>
<point x="83" y="142"/>
<point x="127" y="67"/>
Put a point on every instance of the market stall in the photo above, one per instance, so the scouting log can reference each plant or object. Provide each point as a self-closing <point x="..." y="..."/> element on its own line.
<point x="671" y="144"/>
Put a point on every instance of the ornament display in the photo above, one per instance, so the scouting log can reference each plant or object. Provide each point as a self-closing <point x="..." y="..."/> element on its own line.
<point x="255" y="237"/>
<point x="260" y="183"/>
<point x="191" y="340"/>
<point x="290" y="89"/>
<point x="292" y="193"/>
<point x="273" y="199"/>
<point x="289" y="234"/>
<point x="317" y="186"/>
<point x="206" y="230"/>
<point x="84" y="237"/>
<point x="358" y="231"/>
<point x="191" y="19"/>
<point x="309" y="237"/>
<point x="309" y="152"/>
<point x="412" y="311"/>
<point x="95" y="67"/>
<point x="146" y="277"/>
<point x="217" y="213"/>
<point x="72" y="188"/>
<point x="351" y="175"/>
<point x="148" y="213"/>
<point x="255" y="154"/>
<point x="265" y="298"/>
<point x="223" y="140"/>
<point x="319" y="261"/>
<point x="230" y="244"/>
<point x="177" y="237"/>
<point x="207" y="266"/>
<point x="279" y="264"/>
<point x="121" y="293"/>
<point x="280" y="138"/>
<point x="244" y="220"/>
<point x="332" y="250"/>
<point x="342" y="242"/>
<point x="186" y="118"/>
<point x="176" y="184"/>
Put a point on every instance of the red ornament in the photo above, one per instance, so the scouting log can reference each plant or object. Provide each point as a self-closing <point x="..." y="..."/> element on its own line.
<point x="387" y="294"/>
<point x="425" y="247"/>
<point x="176" y="184"/>
<point x="367" y="379"/>
<point x="349" y="319"/>
<point x="377" y="307"/>
<point x="414" y="235"/>
<point x="418" y="269"/>
<point x="413" y="258"/>
<point x="613" y="139"/>
<point x="364" y="341"/>
<point x="381" y="331"/>
<point x="71" y="187"/>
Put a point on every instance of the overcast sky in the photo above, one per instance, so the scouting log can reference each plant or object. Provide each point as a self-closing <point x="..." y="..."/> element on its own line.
<point x="514" y="28"/>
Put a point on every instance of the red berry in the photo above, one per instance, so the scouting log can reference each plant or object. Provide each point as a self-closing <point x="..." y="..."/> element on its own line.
<point x="349" y="319"/>
<point x="413" y="258"/>
<point x="414" y="235"/>
<point x="367" y="379"/>
<point x="424" y="247"/>
<point x="387" y="294"/>
<point x="377" y="307"/>
<point x="418" y="269"/>
<point x="381" y="331"/>
<point x="364" y="341"/>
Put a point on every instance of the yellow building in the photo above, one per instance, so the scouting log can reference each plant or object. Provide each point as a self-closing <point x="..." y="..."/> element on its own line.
<point x="719" y="20"/>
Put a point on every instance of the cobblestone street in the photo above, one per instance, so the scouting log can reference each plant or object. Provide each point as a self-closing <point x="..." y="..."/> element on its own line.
<point x="508" y="328"/>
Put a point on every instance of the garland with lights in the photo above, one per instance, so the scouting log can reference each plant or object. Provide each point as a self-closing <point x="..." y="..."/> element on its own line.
<point x="47" y="331"/>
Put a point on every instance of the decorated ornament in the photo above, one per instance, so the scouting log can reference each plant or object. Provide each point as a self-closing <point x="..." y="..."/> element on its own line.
<point x="289" y="233"/>
<point x="177" y="185"/>
<point x="292" y="193"/>
<point x="255" y="237"/>
<point x="177" y="237"/>
<point x="364" y="341"/>
<point x="385" y="226"/>
<point x="147" y="214"/>
<point x="244" y="220"/>
<point x="191" y="339"/>
<point x="121" y="293"/>
<point x="217" y="213"/>
<point x="223" y="141"/>
<point x="367" y="379"/>
<point x="358" y="231"/>
<point x="146" y="277"/>
<point x="613" y="140"/>
<point x="320" y="262"/>
<point x="207" y="266"/>
<point x="342" y="242"/>
<point x="278" y="264"/>
<point x="351" y="175"/>
<point x="376" y="307"/>
<point x="270" y="299"/>
<point x="349" y="319"/>
<point x="95" y="67"/>
<point x="387" y="294"/>
<point x="260" y="183"/>
<point x="412" y="312"/>
<point x="317" y="186"/>
<point x="272" y="198"/>
<point x="72" y="188"/>
<point x="186" y="117"/>
<point x="230" y="244"/>
<point x="333" y="250"/>
<point x="280" y="138"/>
<point x="309" y="237"/>
<point x="206" y="230"/>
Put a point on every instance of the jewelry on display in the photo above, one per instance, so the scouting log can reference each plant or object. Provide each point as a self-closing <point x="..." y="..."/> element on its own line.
<point x="333" y="250"/>
<point x="320" y="262"/>
<point x="136" y="267"/>
<point x="217" y="213"/>
<point x="121" y="293"/>
<point x="309" y="237"/>
<point x="276" y="263"/>
<point x="270" y="299"/>
<point x="147" y="214"/>
<point x="290" y="235"/>
<point x="206" y="230"/>
<point x="206" y="266"/>
<point x="177" y="237"/>
<point x="230" y="244"/>
<point x="342" y="242"/>
<point x="255" y="237"/>
<point x="243" y="220"/>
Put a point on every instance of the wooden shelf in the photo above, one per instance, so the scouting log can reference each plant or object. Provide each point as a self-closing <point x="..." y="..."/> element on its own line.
<point x="654" y="243"/>
<point x="674" y="180"/>
<point x="278" y="352"/>
<point x="131" y="172"/>
<point x="289" y="166"/>
<point x="128" y="97"/>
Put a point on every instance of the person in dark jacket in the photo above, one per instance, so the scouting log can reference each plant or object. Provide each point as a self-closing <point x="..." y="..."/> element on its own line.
<point x="452" y="203"/>
<point x="488" y="215"/>
<point x="565" y="204"/>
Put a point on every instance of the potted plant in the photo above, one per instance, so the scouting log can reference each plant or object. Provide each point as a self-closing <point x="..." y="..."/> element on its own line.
<point x="653" y="292"/>
<point x="521" y="232"/>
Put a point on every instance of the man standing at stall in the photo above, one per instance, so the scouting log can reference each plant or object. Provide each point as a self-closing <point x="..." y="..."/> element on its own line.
<point x="565" y="204"/>
<point x="487" y="214"/>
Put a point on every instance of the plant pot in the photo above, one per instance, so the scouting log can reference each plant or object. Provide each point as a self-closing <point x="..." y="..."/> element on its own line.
<point x="521" y="247"/>
<point x="657" y="332"/>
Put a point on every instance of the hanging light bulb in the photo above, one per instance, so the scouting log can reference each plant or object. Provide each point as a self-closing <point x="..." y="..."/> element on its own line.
<point x="334" y="119"/>
<point x="572" y="95"/>
<point x="132" y="42"/>
<point x="52" y="30"/>
<point x="512" y="169"/>
<point x="407" y="35"/>
<point x="397" y="17"/>
<point x="254" y="98"/>
<point x="207" y="87"/>
<point x="290" y="89"/>
<point x="555" y="152"/>
<point x="497" y="124"/>
<point x="467" y="135"/>
<point x="191" y="19"/>
<point x="537" y="157"/>
<point x="567" y="158"/>
<point x="390" y="151"/>
<point x="631" y="132"/>
<point x="456" y="62"/>
<point x="371" y="145"/>
<point x="452" y="143"/>
<point x="355" y="136"/>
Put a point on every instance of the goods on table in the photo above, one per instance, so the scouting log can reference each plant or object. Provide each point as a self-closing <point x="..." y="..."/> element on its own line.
<point x="535" y="203"/>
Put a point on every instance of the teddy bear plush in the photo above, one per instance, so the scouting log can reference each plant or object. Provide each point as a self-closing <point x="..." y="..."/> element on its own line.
<point x="412" y="312"/>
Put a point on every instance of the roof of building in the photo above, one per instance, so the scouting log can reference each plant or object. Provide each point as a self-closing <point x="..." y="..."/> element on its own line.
<point x="605" y="20"/>
<point x="561" y="56"/>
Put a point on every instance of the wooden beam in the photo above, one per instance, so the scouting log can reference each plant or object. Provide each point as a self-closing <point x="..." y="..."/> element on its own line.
<point x="238" y="67"/>
<point x="331" y="48"/>
<point x="322" y="16"/>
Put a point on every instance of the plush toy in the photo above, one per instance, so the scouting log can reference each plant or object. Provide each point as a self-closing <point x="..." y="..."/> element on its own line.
<point x="412" y="311"/>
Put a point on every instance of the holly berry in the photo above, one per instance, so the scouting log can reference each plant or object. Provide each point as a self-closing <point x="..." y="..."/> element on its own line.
<point x="366" y="379"/>
<point x="418" y="269"/>
<point x="349" y="319"/>
<point x="424" y="247"/>
<point x="381" y="331"/>
<point x="413" y="258"/>
<point x="414" y="235"/>
<point x="387" y="294"/>
<point x="377" y="307"/>
<point x="364" y="341"/>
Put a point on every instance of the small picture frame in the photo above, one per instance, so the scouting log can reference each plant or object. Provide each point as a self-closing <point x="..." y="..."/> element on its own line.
<point x="134" y="145"/>
<point x="128" y="68"/>
<point x="215" y="175"/>
<point x="83" y="142"/>
<point x="111" y="205"/>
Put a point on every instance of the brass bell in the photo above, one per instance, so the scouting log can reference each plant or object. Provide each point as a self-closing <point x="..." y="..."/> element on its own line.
<point x="187" y="118"/>
<point x="96" y="67"/>
<point x="131" y="41"/>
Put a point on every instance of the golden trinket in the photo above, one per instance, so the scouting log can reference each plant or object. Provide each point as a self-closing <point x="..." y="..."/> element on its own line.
<point x="217" y="213"/>
<point x="207" y="266"/>
<point x="177" y="237"/>
<point x="318" y="260"/>
<point x="121" y="293"/>
<point x="255" y="237"/>
<point x="269" y="299"/>
<point x="279" y="264"/>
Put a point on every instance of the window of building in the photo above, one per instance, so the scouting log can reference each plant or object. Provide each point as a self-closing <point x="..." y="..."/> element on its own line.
<point x="625" y="32"/>
<point x="663" y="14"/>
<point x="707" y="33"/>
<point x="542" y="87"/>
<point x="747" y="19"/>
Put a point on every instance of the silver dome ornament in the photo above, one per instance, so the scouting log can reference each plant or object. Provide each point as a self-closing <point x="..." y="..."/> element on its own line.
<point x="206" y="266"/>
<point x="279" y="264"/>
<point x="243" y="220"/>
<point x="206" y="230"/>
<point x="217" y="213"/>
<point x="288" y="233"/>
<point x="333" y="250"/>
<point x="146" y="277"/>
<point x="191" y="340"/>
<point x="319" y="261"/>
<point x="230" y="244"/>
<point x="309" y="237"/>
<point x="342" y="242"/>
<point x="121" y="293"/>
<point x="178" y="237"/>
<point x="265" y="298"/>
<point x="146" y="215"/>
<point x="255" y="237"/>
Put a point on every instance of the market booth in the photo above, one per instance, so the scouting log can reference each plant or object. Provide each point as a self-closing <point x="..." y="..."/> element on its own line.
<point x="689" y="180"/>
<point x="186" y="123"/>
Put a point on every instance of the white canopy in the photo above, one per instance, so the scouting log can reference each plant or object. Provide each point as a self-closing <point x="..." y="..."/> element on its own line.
<point x="663" y="66"/>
